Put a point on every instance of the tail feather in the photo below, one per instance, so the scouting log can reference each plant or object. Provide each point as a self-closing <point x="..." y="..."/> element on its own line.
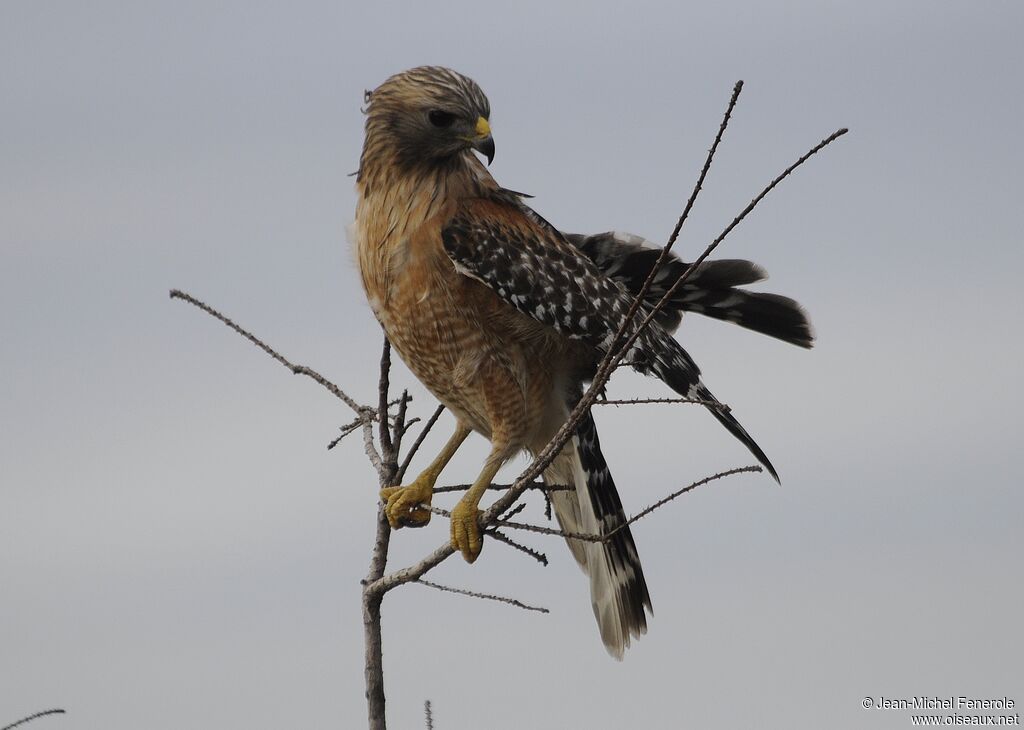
<point x="770" y="314"/>
<point x="733" y="426"/>
<point x="678" y="370"/>
<point x="564" y="471"/>
<point x="618" y="590"/>
<point x="721" y="273"/>
<point x="710" y="290"/>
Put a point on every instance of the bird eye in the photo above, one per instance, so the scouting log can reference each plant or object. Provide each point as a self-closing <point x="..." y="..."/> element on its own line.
<point x="440" y="118"/>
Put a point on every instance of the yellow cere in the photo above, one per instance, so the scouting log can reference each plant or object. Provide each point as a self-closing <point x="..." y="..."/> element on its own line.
<point x="483" y="128"/>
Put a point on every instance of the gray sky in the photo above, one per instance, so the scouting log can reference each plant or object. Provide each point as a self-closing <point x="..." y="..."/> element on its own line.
<point x="177" y="547"/>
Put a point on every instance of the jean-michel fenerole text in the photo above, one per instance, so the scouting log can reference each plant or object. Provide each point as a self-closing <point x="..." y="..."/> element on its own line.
<point x="944" y="703"/>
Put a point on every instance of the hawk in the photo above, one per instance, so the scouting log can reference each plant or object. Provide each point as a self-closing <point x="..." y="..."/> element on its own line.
<point x="504" y="318"/>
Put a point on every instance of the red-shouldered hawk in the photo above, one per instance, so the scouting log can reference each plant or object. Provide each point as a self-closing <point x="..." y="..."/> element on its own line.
<point x="503" y="318"/>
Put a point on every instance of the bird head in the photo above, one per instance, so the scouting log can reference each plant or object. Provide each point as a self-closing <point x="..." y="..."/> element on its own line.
<point x="429" y="113"/>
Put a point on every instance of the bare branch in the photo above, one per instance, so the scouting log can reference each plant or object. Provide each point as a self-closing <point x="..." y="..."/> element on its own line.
<point x="387" y="449"/>
<point x="663" y="256"/>
<point x="647" y="401"/>
<point x="535" y="554"/>
<point x="590" y="537"/>
<point x="371" y="449"/>
<point x="752" y="469"/>
<point x="296" y="369"/>
<point x="399" y="427"/>
<point x="412" y="572"/>
<point x="417" y="443"/>
<point x="409" y="424"/>
<point x="735" y="222"/>
<point x="387" y="466"/>
<point x="538" y="486"/>
<point x="617" y="350"/>
<point x="24" y="720"/>
<point x="486" y="596"/>
<point x="609" y="363"/>
<point x="514" y="511"/>
<point x="430" y="715"/>
<point x="345" y="431"/>
<point x="439" y="511"/>
<point x="354" y="425"/>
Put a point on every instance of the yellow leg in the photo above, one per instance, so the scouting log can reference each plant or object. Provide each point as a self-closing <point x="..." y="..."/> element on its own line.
<point x="402" y="503"/>
<point x="465" y="536"/>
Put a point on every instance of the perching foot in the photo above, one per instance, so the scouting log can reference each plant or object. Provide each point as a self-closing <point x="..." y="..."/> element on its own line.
<point x="466" y="537"/>
<point x="402" y="504"/>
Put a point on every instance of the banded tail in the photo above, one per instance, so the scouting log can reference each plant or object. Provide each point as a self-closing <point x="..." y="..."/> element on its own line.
<point x="618" y="591"/>
<point x="711" y="290"/>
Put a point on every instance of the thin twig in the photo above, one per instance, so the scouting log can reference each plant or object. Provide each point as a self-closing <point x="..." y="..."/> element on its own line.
<point x="399" y="426"/>
<point x="412" y="572"/>
<point x="23" y="720"/>
<point x="486" y="596"/>
<point x="591" y="537"/>
<point x="514" y="511"/>
<point x="416" y="444"/>
<point x="409" y="424"/>
<point x="752" y="469"/>
<point x="373" y="666"/>
<point x="610" y="362"/>
<point x="354" y="425"/>
<point x="647" y="401"/>
<point x="296" y="369"/>
<point x="345" y="431"/>
<point x="535" y="554"/>
<point x="387" y="450"/>
<point x="663" y="256"/>
<point x="539" y="486"/>
<point x="736" y="221"/>
<point x="371" y="449"/>
<point x="617" y="350"/>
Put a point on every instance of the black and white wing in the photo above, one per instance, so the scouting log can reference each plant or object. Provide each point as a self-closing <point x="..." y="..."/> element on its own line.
<point x="531" y="266"/>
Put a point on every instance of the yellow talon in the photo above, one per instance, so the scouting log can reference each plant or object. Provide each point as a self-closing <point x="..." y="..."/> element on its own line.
<point x="402" y="504"/>
<point x="466" y="537"/>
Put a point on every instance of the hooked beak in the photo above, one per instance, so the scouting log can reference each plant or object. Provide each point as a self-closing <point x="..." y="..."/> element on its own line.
<point x="483" y="142"/>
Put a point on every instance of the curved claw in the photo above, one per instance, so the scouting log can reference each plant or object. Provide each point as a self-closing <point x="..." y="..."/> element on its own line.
<point x="465" y="532"/>
<point x="402" y="504"/>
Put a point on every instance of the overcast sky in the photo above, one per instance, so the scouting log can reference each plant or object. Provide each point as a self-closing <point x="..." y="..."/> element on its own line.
<point x="179" y="550"/>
